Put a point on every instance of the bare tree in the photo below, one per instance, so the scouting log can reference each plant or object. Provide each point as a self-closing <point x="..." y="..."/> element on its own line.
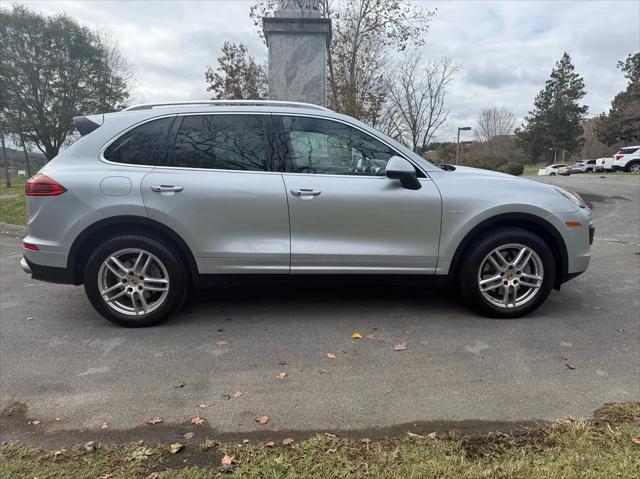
<point x="495" y="122"/>
<point x="363" y="32"/>
<point x="238" y="76"/>
<point x="416" y="106"/>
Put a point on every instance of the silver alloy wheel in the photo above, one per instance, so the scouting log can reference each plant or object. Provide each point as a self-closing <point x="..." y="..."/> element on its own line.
<point x="134" y="282"/>
<point x="510" y="276"/>
<point x="634" y="168"/>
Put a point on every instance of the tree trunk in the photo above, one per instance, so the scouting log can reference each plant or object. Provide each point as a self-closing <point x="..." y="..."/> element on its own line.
<point x="26" y="156"/>
<point x="5" y="160"/>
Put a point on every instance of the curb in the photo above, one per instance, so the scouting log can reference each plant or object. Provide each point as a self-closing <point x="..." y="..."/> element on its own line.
<point x="13" y="230"/>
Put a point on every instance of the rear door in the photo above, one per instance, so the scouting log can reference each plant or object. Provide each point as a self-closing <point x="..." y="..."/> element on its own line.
<point x="218" y="190"/>
<point x="346" y="215"/>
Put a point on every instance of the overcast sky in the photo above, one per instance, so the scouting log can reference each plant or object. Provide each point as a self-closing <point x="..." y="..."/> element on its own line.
<point x="506" y="48"/>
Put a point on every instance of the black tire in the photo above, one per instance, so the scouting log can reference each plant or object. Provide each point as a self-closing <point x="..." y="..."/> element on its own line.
<point x="478" y="251"/>
<point x="633" y="165"/>
<point x="552" y="174"/>
<point x="166" y="253"/>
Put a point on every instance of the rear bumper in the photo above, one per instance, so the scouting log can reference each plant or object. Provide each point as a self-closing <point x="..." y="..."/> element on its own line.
<point x="49" y="274"/>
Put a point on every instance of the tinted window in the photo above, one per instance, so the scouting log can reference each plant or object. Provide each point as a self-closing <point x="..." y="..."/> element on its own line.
<point x="329" y="147"/>
<point x="143" y="145"/>
<point x="226" y="142"/>
<point x="627" y="151"/>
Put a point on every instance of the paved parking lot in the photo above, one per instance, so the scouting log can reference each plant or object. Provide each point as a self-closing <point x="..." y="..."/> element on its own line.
<point x="63" y="365"/>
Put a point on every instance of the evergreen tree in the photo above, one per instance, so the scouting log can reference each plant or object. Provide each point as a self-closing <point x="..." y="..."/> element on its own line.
<point x="623" y="120"/>
<point x="238" y="76"/>
<point x="556" y="120"/>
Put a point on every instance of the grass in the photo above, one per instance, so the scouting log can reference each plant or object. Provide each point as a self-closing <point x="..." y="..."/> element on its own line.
<point x="603" y="448"/>
<point x="14" y="210"/>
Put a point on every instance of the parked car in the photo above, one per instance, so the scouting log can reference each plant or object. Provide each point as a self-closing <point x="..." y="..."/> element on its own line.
<point x="589" y="166"/>
<point x="554" y="170"/>
<point x="153" y="200"/>
<point x="604" y="164"/>
<point x="578" y="167"/>
<point x="627" y="159"/>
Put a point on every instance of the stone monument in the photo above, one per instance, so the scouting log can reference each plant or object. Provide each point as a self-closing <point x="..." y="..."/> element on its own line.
<point x="298" y="38"/>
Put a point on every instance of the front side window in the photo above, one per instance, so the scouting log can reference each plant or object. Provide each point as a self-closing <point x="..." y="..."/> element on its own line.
<point x="146" y="144"/>
<point x="225" y="142"/>
<point x="320" y="146"/>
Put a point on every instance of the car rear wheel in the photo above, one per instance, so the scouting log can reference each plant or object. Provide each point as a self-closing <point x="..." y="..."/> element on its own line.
<point x="508" y="273"/>
<point x="135" y="281"/>
<point x="552" y="173"/>
<point x="633" y="167"/>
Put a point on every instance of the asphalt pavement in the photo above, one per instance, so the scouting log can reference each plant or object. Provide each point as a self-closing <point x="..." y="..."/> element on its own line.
<point x="67" y="374"/>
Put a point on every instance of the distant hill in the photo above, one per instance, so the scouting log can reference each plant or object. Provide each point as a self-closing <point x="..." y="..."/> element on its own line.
<point x="16" y="160"/>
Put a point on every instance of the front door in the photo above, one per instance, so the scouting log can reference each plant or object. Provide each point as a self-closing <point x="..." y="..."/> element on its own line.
<point x="218" y="191"/>
<point x="346" y="216"/>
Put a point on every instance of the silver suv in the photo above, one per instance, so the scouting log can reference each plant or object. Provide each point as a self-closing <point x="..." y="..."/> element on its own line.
<point x="152" y="200"/>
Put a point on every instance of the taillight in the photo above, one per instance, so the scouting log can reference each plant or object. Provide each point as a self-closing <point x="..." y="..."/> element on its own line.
<point x="617" y="157"/>
<point x="30" y="246"/>
<point x="42" y="185"/>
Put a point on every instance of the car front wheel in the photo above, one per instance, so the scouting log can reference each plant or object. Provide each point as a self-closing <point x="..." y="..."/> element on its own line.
<point x="135" y="281"/>
<point x="507" y="274"/>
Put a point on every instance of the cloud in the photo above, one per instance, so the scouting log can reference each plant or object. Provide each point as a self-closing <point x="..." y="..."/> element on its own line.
<point x="506" y="48"/>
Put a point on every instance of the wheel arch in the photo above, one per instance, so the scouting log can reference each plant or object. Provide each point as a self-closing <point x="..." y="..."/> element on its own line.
<point x="528" y="222"/>
<point x="97" y="232"/>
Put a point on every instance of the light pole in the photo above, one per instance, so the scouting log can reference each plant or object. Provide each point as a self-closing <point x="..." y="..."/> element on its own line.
<point x="460" y="128"/>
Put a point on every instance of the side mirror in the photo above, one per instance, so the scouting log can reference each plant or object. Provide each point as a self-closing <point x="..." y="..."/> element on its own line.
<point x="400" y="169"/>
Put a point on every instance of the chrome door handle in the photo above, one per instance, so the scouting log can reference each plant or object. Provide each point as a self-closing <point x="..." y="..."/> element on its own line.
<point x="166" y="188"/>
<point x="305" y="192"/>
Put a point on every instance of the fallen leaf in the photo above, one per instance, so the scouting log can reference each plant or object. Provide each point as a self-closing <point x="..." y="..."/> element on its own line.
<point x="635" y="440"/>
<point x="431" y="435"/>
<point x="154" y="420"/>
<point x="227" y="460"/>
<point x="322" y="371"/>
<point x="269" y="444"/>
<point x="281" y="375"/>
<point x="287" y="442"/>
<point x="245" y="441"/>
<point x="105" y="476"/>
<point x="400" y="346"/>
<point x="221" y="343"/>
<point x="413" y="434"/>
<point x="331" y="356"/>
<point x="332" y="450"/>
<point x="570" y="366"/>
<point x="356" y="335"/>
<point x="89" y="447"/>
<point x="262" y="419"/>
<point x="175" y="447"/>
<point x="104" y="425"/>
<point x="204" y="406"/>
<point x="180" y="384"/>
<point x="365" y="440"/>
<point x="153" y="475"/>
<point x="35" y="423"/>
<point x="59" y="452"/>
<point x="237" y="394"/>
<point x="372" y="337"/>
<point x="198" y="421"/>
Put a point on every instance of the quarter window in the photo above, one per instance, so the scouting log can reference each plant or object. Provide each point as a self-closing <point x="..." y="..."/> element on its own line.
<point x="225" y="142"/>
<point x="146" y="144"/>
<point x="319" y="146"/>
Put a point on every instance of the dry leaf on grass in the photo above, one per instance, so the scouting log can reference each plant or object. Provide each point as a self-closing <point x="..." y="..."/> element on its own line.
<point x="431" y="435"/>
<point x="635" y="440"/>
<point x="175" y="447"/>
<point x="245" y="441"/>
<point x="269" y="444"/>
<point x="198" y="421"/>
<point x="104" y="425"/>
<point x="400" y="346"/>
<point x="153" y="475"/>
<point x="227" y="460"/>
<point x="154" y="420"/>
<point x="105" y="476"/>
<point x="356" y="335"/>
<point x="262" y="419"/>
<point x="281" y="375"/>
<point x="287" y="442"/>
<point x="59" y="452"/>
<point x="365" y="440"/>
<point x="331" y="356"/>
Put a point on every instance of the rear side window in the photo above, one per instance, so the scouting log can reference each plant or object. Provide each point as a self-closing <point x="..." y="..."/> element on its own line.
<point x="224" y="142"/>
<point x="146" y="144"/>
<point x="627" y="151"/>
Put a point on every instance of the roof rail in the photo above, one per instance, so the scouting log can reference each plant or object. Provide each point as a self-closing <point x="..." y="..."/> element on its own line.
<point x="149" y="106"/>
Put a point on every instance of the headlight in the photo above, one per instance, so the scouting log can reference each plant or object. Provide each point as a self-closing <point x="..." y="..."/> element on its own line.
<point x="573" y="197"/>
